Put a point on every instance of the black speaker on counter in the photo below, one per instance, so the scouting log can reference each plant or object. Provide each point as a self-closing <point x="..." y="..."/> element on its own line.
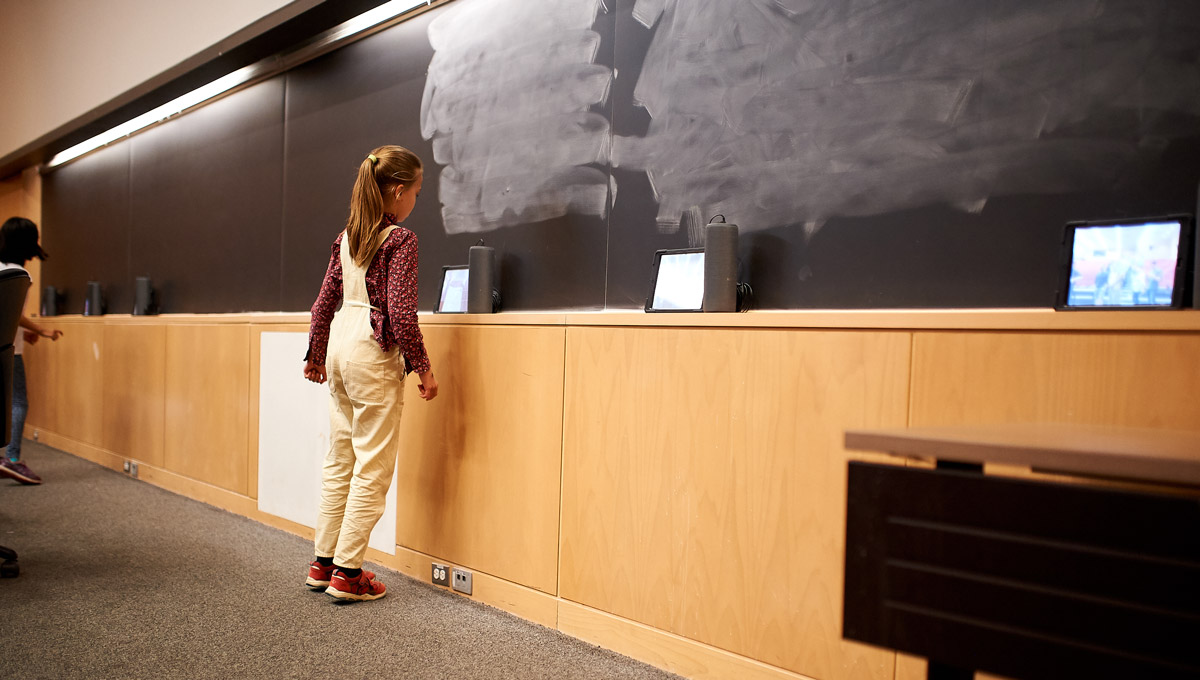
<point x="93" y="304"/>
<point x="720" y="267"/>
<point x="482" y="296"/>
<point x="50" y="299"/>
<point x="143" y="297"/>
<point x="1194" y="279"/>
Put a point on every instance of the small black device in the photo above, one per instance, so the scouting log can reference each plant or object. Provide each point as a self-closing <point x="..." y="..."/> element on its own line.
<point x="1142" y="263"/>
<point x="677" y="281"/>
<point x="452" y="298"/>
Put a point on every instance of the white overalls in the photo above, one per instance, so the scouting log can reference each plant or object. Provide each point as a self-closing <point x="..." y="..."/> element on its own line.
<point x="366" y="387"/>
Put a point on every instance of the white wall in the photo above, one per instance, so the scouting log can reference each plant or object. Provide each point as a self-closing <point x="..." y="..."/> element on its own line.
<point x="60" y="59"/>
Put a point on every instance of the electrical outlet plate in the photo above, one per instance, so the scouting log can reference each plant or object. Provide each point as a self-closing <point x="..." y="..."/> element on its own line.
<point x="462" y="580"/>
<point x="126" y="467"/>
<point x="441" y="575"/>
<point x="133" y="469"/>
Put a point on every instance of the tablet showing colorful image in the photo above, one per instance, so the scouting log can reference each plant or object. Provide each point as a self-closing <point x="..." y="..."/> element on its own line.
<point x="1140" y="263"/>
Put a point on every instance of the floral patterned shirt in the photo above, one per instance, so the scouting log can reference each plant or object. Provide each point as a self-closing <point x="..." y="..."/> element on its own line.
<point x="391" y="280"/>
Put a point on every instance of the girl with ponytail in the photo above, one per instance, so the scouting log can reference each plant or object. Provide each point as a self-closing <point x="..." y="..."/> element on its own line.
<point x="365" y="350"/>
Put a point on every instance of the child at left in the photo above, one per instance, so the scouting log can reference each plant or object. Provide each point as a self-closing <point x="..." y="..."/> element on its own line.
<point x="18" y="245"/>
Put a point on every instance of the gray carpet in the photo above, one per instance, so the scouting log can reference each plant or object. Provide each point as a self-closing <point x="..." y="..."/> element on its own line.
<point x="120" y="579"/>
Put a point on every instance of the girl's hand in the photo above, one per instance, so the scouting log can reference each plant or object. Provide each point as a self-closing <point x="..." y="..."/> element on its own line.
<point x="53" y="334"/>
<point x="31" y="337"/>
<point x="314" y="372"/>
<point x="428" y="387"/>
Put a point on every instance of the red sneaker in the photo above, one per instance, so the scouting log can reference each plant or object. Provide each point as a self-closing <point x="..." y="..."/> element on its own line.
<point x="18" y="471"/>
<point x="318" y="575"/>
<point x="361" y="587"/>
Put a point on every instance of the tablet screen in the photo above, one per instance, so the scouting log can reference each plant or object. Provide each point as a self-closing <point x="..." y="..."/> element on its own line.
<point x="453" y="299"/>
<point x="1130" y="264"/>
<point x="678" y="284"/>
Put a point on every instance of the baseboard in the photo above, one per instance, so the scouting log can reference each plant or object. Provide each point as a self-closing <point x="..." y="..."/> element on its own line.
<point x="661" y="649"/>
<point x="165" y="479"/>
<point x="96" y="454"/>
<point x="528" y="603"/>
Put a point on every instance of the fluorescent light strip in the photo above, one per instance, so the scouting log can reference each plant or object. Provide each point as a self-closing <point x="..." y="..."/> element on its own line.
<point x="374" y="17"/>
<point x="358" y="24"/>
<point x="155" y="115"/>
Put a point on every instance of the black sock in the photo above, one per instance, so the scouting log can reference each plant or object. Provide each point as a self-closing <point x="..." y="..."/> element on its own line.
<point x="350" y="573"/>
<point x="324" y="561"/>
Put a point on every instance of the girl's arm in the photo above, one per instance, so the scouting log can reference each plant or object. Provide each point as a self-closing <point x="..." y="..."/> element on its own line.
<point x="402" y="312"/>
<point x="322" y="315"/>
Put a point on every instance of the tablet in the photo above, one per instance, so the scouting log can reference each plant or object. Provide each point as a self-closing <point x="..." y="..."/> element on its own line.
<point x="1126" y="264"/>
<point x="453" y="296"/>
<point x="677" y="281"/>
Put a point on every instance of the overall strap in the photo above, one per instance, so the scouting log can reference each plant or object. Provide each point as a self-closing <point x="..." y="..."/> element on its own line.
<point x="354" y="284"/>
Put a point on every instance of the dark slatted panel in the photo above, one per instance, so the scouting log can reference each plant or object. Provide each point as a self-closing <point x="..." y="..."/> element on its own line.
<point x="1025" y="579"/>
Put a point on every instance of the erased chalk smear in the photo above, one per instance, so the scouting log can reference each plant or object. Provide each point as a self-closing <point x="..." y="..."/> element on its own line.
<point x="791" y="112"/>
<point x="507" y="105"/>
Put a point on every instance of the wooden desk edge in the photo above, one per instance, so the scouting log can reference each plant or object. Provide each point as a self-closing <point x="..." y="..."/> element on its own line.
<point x="1134" y="466"/>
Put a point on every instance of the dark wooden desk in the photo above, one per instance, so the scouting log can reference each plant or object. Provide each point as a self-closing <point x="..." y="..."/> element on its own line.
<point x="1028" y="578"/>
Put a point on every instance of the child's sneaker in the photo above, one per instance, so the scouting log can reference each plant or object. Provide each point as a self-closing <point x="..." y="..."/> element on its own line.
<point x="361" y="587"/>
<point x="18" y="471"/>
<point x="319" y="575"/>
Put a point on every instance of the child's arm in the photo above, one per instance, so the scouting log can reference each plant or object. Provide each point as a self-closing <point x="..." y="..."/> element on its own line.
<point x="322" y="315"/>
<point x="34" y="331"/>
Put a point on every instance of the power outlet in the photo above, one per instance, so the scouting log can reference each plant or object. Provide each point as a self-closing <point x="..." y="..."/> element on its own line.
<point x="441" y="575"/>
<point x="133" y="469"/>
<point x="126" y="467"/>
<point x="462" y="581"/>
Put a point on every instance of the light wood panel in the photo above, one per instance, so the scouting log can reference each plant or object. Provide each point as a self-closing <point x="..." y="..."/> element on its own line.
<point x="704" y="483"/>
<point x="69" y="378"/>
<point x="207" y="401"/>
<point x="1125" y="379"/>
<point x="479" y="469"/>
<point x="41" y="375"/>
<point x="134" y="391"/>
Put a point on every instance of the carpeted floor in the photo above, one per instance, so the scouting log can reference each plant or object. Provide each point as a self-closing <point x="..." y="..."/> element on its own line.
<point x="120" y="579"/>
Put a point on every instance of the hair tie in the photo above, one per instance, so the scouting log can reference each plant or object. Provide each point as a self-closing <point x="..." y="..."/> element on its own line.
<point x="371" y="157"/>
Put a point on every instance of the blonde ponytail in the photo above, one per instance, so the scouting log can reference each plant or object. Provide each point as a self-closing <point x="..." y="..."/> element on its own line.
<point x="382" y="169"/>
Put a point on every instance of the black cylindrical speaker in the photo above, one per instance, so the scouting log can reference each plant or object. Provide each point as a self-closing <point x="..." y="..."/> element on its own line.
<point x="49" y="301"/>
<point x="720" y="267"/>
<point x="1195" y="282"/>
<point x="481" y="268"/>
<point x="143" y="296"/>
<point x="93" y="304"/>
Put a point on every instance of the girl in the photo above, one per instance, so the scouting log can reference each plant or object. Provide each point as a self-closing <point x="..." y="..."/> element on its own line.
<point x="18" y="245"/>
<point x="365" y="350"/>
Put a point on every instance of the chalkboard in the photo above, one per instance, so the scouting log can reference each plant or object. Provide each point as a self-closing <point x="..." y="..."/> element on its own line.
<point x="918" y="153"/>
